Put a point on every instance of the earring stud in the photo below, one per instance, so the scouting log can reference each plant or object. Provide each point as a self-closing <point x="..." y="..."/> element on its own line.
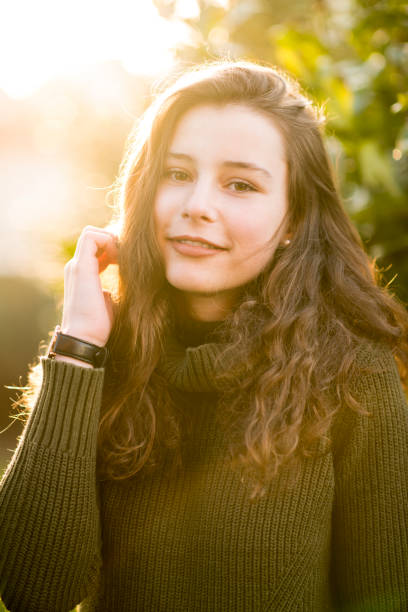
<point x="286" y="242"/>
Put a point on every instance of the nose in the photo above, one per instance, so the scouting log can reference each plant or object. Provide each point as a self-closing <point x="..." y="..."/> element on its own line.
<point x="199" y="202"/>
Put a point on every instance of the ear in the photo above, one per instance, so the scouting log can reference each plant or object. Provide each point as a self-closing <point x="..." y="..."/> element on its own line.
<point x="286" y="239"/>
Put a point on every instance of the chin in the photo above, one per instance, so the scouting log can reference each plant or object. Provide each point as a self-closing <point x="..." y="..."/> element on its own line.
<point x="195" y="287"/>
<point x="194" y="283"/>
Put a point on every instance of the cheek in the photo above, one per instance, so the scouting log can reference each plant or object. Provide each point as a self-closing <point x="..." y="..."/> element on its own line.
<point x="166" y="208"/>
<point x="256" y="233"/>
<point x="160" y="215"/>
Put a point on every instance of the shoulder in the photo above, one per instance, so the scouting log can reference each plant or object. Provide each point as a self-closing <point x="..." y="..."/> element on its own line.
<point x="380" y="413"/>
<point x="374" y="372"/>
<point x="375" y="355"/>
<point x="375" y="377"/>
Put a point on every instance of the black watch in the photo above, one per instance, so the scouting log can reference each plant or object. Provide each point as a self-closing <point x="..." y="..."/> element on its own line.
<point x="63" y="344"/>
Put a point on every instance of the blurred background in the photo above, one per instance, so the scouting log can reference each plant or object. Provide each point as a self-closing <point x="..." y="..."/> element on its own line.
<point x="75" y="76"/>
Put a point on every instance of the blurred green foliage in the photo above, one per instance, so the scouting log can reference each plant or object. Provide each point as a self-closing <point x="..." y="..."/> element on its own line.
<point x="352" y="57"/>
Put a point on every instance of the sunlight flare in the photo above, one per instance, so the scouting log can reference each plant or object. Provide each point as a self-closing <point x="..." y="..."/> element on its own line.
<point x="45" y="39"/>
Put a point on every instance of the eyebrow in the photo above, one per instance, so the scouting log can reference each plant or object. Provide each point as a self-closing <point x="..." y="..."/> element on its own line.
<point x="226" y="164"/>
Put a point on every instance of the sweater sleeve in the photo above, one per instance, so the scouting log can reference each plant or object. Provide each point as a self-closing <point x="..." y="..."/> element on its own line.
<point x="49" y="518"/>
<point x="370" y="520"/>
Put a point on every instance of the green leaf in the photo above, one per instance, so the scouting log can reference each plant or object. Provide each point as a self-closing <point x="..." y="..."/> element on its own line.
<point x="376" y="168"/>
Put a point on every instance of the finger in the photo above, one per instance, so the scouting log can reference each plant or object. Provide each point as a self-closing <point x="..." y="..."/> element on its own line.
<point x="91" y="240"/>
<point x="104" y="261"/>
<point x="89" y="232"/>
<point x="110" y="251"/>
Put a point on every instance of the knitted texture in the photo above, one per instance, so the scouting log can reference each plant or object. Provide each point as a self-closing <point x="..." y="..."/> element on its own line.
<point x="334" y="538"/>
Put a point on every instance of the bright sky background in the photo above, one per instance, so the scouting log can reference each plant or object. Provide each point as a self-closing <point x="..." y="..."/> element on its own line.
<point x="40" y="39"/>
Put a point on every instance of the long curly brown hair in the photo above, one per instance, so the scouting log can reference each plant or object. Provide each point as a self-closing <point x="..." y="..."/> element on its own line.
<point x="293" y="341"/>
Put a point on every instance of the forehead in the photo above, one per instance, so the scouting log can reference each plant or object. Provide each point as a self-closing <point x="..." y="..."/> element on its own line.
<point x="227" y="131"/>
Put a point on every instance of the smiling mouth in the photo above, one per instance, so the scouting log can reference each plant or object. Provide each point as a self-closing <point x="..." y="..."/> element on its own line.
<point x="197" y="243"/>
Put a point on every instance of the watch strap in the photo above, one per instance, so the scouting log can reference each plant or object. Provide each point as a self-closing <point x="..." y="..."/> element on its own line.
<point x="69" y="346"/>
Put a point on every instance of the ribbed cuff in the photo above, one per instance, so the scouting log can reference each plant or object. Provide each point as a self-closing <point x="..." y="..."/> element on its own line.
<point x="66" y="414"/>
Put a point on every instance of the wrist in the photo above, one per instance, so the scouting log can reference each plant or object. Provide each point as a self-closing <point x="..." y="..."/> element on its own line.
<point x="77" y="349"/>
<point x="80" y="334"/>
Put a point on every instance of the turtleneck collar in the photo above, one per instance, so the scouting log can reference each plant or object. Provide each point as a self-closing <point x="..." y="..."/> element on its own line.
<point x="189" y="360"/>
<point x="191" y="332"/>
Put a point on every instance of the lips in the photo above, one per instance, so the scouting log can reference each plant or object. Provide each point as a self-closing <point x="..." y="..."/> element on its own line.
<point x="195" y="247"/>
<point x="196" y="241"/>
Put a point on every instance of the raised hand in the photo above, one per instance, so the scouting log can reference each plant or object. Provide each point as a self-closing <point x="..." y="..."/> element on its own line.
<point x="88" y="311"/>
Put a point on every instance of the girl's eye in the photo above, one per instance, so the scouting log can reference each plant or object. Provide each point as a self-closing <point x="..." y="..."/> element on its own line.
<point x="242" y="187"/>
<point x="176" y="175"/>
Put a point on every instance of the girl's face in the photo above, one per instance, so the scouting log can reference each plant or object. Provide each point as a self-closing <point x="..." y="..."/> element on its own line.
<point x="220" y="204"/>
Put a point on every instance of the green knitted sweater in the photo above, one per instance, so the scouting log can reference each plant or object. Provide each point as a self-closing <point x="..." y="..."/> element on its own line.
<point x="336" y="538"/>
